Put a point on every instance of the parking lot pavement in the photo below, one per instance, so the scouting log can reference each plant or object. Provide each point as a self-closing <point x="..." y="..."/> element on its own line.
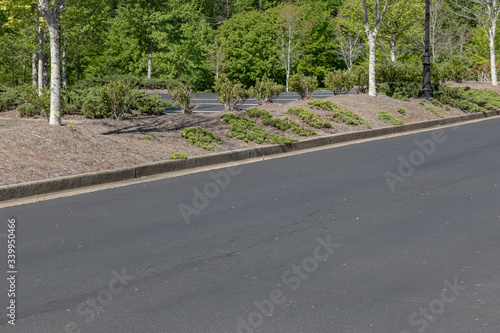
<point x="209" y="103"/>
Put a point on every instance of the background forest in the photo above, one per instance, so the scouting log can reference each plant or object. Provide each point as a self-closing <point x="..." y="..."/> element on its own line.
<point x="196" y="41"/>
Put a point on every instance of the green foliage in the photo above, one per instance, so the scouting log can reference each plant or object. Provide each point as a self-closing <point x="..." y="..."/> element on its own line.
<point x="178" y="156"/>
<point x="339" y="81"/>
<point x="412" y="89"/>
<point x="284" y="124"/>
<point x="303" y="85"/>
<point x="310" y="118"/>
<point x="467" y="99"/>
<point x="143" y="104"/>
<point x="400" y="96"/>
<point x="147" y="137"/>
<point x="349" y="118"/>
<point x="201" y="137"/>
<point x="436" y="102"/>
<point x="447" y="108"/>
<point x="29" y="94"/>
<point x="115" y="97"/>
<point x="431" y="109"/>
<point x="388" y="118"/>
<point x="321" y="104"/>
<point x="8" y="99"/>
<point x="137" y="82"/>
<point x="400" y="72"/>
<point x="231" y="93"/>
<point x="181" y="93"/>
<point x="247" y="130"/>
<point x="402" y="111"/>
<point x="27" y="110"/>
<point x="452" y="70"/>
<point x="265" y="90"/>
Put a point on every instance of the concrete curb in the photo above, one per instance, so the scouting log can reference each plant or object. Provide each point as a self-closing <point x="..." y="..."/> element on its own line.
<point x="8" y="192"/>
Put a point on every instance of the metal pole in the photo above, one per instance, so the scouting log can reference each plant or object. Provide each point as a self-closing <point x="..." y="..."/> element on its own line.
<point x="426" y="82"/>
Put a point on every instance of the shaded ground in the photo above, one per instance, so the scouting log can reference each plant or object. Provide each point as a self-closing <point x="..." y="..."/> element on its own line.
<point x="40" y="151"/>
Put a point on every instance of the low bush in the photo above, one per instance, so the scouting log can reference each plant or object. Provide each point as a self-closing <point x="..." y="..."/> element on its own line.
<point x="178" y="156"/>
<point x="467" y="99"/>
<point x="321" y="104"/>
<point x="9" y="98"/>
<point x="400" y="96"/>
<point x="265" y="90"/>
<point x="339" y="81"/>
<point x="431" y="109"/>
<point x="402" y="111"/>
<point x="360" y="78"/>
<point x="29" y="94"/>
<point x="284" y="124"/>
<point x="310" y="118"/>
<point x="436" y="102"/>
<point x="201" y="137"/>
<point x="147" y="137"/>
<point x="134" y="81"/>
<point x="247" y="130"/>
<point x="400" y="72"/>
<point x="115" y="97"/>
<point x="303" y="85"/>
<point x="388" y="118"/>
<point x="144" y="104"/>
<point x="412" y="89"/>
<point x="230" y="93"/>
<point x="27" y="110"/>
<point x="349" y="118"/>
<point x="181" y="93"/>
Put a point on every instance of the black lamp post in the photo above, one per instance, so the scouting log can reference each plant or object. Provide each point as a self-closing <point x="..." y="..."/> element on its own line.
<point x="426" y="82"/>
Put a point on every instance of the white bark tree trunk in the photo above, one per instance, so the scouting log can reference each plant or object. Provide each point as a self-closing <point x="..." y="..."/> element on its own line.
<point x="150" y="58"/>
<point x="51" y="16"/>
<point x="372" y="46"/>
<point x="392" y="45"/>
<point x="491" y="36"/>
<point x="40" y="59"/>
<point x="34" y="73"/>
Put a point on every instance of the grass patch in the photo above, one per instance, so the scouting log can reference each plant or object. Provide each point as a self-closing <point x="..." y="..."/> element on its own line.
<point x="388" y="118"/>
<point x="310" y="118"/>
<point x="402" y="111"/>
<point x="178" y="156"/>
<point x="201" y="137"/>
<point x="284" y="124"/>
<point x="147" y="137"/>
<point x="247" y="130"/>
<point x="349" y="118"/>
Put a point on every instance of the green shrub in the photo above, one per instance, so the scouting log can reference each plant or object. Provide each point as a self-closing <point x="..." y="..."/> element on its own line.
<point x="349" y="118"/>
<point x="436" y="103"/>
<point x="142" y="103"/>
<point x="115" y="97"/>
<point x="400" y="96"/>
<point x="135" y="81"/>
<point x="27" y="110"/>
<point x="310" y="118"/>
<point x="265" y="90"/>
<point x="303" y="85"/>
<point x="467" y="99"/>
<point x="453" y="70"/>
<point x="201" y="137"/>
<point x="400" y="72"/>
<point x="29" y="94"/>
<point x="178" y="156"/>
<point x="230" y="93"/>
<point x="321" y="104"/>
<point x="447" y="108"/>
<point x="9" y="98"/>
<point x="430" y="108"/>
<point x="402" y="111"/>
<point x="92" y="106"/>
<point x="284" y="124"/>
<point x="412" y="89"/>
<point x="359" y="76"/>
<point x="247" y="130"/>
<point x="388" y="118"/>
<point x="181" y="93"/>
<point x="147" y="137"/>
<point x="339" y="81"/>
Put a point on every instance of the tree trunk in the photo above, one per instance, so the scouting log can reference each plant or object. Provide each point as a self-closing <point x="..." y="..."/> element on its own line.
<point x="392" y="44"/>
<point x="491" y="36"/>
<point x="34" y="73"/>
<point x="150" y="58"/>
<point x="55" y="77"/>
<point x="372" y="43"/>
<point x="40" y="59"/>
<point x="63" y="63"/>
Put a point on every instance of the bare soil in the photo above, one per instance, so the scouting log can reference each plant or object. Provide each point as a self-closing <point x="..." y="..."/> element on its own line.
<point x="40" y="151"/>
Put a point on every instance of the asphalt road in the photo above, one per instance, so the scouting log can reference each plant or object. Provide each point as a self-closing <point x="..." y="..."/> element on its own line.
<point x="209" y="103"/>
<point x="315" y="242"/>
